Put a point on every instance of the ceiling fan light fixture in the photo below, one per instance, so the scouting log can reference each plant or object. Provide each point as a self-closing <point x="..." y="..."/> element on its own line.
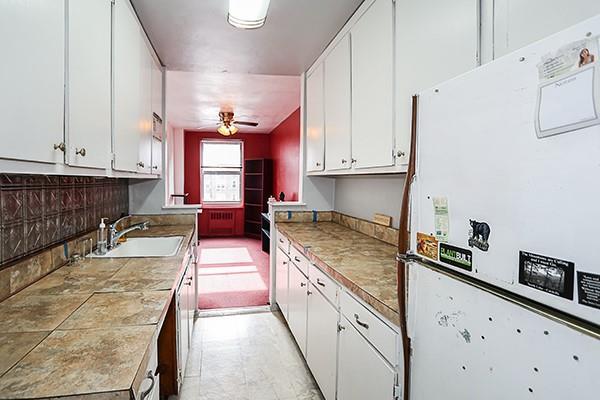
<point x="227" y="130"/>
<point x="248" y="14"/>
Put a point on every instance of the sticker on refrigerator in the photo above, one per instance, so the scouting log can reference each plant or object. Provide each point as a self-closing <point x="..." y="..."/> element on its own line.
<point x="441" y="219"/>
<point x="479" y="235"/>
<point x="456" y="256"/>
<point x="427" y="246"/>
<point x="588" y="289"/>
<point x="550" y="275"/>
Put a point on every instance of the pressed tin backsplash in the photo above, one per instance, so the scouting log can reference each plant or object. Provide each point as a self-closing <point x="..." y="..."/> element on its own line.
<point x="39" y="211"/>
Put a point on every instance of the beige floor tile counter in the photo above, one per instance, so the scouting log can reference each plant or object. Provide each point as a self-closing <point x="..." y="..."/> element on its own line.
<point x="84" y="329"/>
<point x="364" y="265"/>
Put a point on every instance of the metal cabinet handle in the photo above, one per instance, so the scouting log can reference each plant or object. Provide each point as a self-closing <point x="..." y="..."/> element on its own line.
<point x="80" y="151"/>
<point x="359" y="322"/>
<point x="341" y="327"/>
<point x="284" y="262"/>
<point x="155" y="167"/>
<point x="308" y="292"/>
<point x="146" y="392"/>
<point x="353" y="160"/>
<point x="297" y="259"/>
<point x="344" y="161"/>
<point x="400" y="153"/>
<point x="141" y="164"/>
<point x="318" y="164"/>
<point x="319" y="282"/>
<point x="280" y="240"/>
<point x="302" y="284"/>
<point x="60" y="146"/>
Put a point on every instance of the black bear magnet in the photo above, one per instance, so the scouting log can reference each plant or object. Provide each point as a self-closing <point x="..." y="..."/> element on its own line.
<point x="479" y="235"/>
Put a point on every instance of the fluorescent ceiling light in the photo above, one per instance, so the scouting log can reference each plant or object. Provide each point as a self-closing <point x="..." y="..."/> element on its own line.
<point x="248" y="14"/>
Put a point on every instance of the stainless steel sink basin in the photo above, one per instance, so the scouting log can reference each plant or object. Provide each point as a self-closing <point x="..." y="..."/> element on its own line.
<point x="166" y="246"/>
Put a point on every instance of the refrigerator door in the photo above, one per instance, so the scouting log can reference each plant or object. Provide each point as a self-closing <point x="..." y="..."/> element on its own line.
<point x="495" y="199"/>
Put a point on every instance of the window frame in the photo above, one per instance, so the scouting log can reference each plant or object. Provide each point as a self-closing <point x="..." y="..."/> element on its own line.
<point x="225" y="171"/>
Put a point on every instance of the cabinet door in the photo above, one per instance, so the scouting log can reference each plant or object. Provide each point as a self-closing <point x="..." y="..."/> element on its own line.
<point x="315" y="122"/>
<point x="297" y="306"/>
<point x="32" y="79"/>
<point x="281" y="281"/>
<point x="127" y="63"/>
<point x="321" y="342"/>
<point x="190" y="295"/>
<point x="157" y="87"/>
<point x="182" y="330"/>
<point x="362" y="372"/>
<point x="145" y="143"/>
<point x="372" y="87"/>
<point x="338" y="107"/>
<point x="88" y="127"/>
<point x="156" y="156"/>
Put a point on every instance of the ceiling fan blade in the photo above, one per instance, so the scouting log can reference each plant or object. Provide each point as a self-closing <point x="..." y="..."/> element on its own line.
<point x="245" y="123"/>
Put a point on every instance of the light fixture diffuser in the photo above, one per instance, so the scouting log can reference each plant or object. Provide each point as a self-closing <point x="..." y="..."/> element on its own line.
<point x="248" y="14"/>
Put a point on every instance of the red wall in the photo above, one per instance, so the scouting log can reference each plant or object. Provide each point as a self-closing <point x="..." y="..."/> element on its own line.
<point x="255" y="146"/>
<point x="285" y="152"/>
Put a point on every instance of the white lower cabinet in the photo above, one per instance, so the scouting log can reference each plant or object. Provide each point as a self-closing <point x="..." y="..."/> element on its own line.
<point x="321" y="341"/>
<point x="282" y="262"/>
<point x="297" y="304"/>
<point x="149" y="387"/>
<point x="185" y="307"/>
<point x="362" y="372"/>
<point x="351" y="351"/>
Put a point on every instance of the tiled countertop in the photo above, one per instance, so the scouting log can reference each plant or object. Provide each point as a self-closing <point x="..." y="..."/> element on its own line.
<point x="364" y="265"/>
<point x="86" y="328"/>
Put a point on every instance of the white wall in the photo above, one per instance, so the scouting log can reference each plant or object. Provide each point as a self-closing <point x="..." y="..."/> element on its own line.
<point x="363" y="196"/>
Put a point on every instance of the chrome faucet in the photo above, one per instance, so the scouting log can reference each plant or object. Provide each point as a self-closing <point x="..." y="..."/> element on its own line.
<point x="114" y="235"/>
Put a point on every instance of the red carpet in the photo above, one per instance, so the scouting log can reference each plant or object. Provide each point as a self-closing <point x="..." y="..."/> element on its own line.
<point x="233" y="272"/>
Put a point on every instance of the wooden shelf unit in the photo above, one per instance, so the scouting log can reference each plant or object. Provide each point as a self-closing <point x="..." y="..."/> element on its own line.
<point x="258" y="186"/>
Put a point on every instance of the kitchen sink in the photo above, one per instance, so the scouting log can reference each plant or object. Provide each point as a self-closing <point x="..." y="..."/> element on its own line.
<point x="166" y="246"/>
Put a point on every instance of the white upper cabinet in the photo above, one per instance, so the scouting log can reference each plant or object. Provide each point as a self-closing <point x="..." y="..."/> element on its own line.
<point x="32" y="80"/>
<point x="372" y="87"/>
<point x="88" y="115"/>
<point x="338" y="107"/>
<point x="132" y="106"/>
<point x="315" y="121"/>
<point x="145" y="116"/>
<point x="157" y="87"/>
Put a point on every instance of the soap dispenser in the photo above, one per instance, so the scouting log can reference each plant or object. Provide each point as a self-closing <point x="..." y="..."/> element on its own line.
<point x="102" y="234"/>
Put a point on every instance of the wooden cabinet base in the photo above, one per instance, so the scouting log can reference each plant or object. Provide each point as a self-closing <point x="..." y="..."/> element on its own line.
<point x="167" y="354"/>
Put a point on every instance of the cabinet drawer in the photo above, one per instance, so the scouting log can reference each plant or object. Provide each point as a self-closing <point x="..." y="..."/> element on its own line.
<point x="381" y="336"/>
<point x="299" y="260"/>
<point x="283" y="243"/>
<point x="146" y="384"/>
<point x="324" y="283"/>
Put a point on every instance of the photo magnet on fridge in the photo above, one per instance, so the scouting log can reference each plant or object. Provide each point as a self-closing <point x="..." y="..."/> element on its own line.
<point x="427" y="246"/>
<point x="479" y="235"/>
<point x="550" y="275"/>
<point x="588" y="289"/>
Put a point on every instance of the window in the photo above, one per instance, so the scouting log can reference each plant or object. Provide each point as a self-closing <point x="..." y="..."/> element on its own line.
<point x="221" y="171"/>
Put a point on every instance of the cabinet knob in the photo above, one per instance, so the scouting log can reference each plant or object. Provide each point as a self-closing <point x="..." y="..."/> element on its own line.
<point x="302" y="284"/>
<point x="318" y="164"/>
<point x="341" y="327"/>
<point x="400" y="153"/>
<point x="155" y="167"/>
<point x="353" y="160"/>
<point x="141" y="164"/>
<point x="80" y="151"/>
<point x="308" y="292"/>
<point x="344" y="161"/>
<point x="60" y="146"/>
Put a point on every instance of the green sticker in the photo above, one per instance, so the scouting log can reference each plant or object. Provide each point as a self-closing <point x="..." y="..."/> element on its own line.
<point x="456" y="256"/>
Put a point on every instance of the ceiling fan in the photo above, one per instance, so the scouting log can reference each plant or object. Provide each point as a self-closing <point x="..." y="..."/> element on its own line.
<point x="227" y="126"/>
